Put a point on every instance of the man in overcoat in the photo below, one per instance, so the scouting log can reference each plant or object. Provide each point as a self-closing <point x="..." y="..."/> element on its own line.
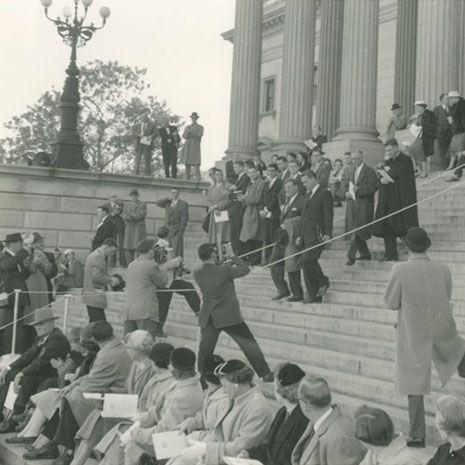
<point x="396" y="196"/>
<point x="134" y="214"/>
<point x="365" y="185"/>
<point x="190" y="154"/>
<point x="420" y="291"/>
<point x="176" y="219"/>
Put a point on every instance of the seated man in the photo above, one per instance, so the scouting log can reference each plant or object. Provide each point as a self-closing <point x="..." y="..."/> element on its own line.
<point x="33" y="368"/>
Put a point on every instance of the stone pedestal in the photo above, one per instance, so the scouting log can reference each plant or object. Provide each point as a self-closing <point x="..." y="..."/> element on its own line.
<point x="357" y="129"/>
<point x="295" y="123"/>
<point x="245" y="83"/>
<point x="329" y="66"/>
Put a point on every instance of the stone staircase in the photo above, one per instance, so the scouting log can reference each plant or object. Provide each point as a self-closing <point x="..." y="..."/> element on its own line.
<point x="349" y="338"/>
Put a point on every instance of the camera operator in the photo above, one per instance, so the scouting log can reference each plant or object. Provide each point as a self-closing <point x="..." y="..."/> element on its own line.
<point x="175" y="269"/>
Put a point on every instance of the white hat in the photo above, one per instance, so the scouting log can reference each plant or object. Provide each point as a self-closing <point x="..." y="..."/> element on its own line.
<point x="421" y="102"/>
<point x="453" y="93"/>
<point x="68" y="251"/>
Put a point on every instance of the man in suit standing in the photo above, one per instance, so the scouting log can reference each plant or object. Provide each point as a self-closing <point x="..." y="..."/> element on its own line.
<point x="170" y="141"/>
<point x="321" y="167"/>
<point x="236" y="208"/>
<point x="283" y="169"/>
<point x="231" y="176"/>
<point x="220" y="310"/>
<point x="317" y="226"/>
<point x="270" y="211"/>
<point x="365" y="184"/>
<point x="105" y="229"/>
<point x="13" y="275"/>
<point x="176" y="219"/>
<point x="441" y="112"/>
<point x="145" y="132"/>
<point x="96" y="280"/>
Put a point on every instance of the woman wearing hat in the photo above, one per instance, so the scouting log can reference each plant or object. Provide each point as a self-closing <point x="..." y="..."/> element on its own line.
<point x="190" y="154"/>
<point x="397" y="121"/>
<point x="420" y="290"/>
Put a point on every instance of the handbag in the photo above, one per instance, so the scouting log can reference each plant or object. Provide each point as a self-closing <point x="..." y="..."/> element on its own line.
<point x="206" y="223"/>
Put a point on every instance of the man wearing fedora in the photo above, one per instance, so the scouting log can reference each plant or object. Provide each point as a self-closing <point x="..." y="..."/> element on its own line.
<point x="134" y="214"/>
<point x="190" y="154"/>
<point x="397" y="121"/>
<point x="35" y="366"/>
<point x="13" y="275"/>
<point x="420" y="291"/>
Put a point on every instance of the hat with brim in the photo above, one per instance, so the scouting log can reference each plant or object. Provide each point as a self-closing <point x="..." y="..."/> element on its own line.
<point x="417" y="240"/>
<point x="453" y="93"/>
<point x="421" y="103"/>
<point x="290" y="374"/>
<point x="42" y="315"/>
<point x="231" y="366"/>
<point x="194" y="114"/>
<point x="15" y="237"/>
<point x="134" y="192"/>
<point x="395" y="106"/>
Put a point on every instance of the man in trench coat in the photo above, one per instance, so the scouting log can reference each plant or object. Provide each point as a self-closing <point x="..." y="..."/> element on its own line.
<point x="421" y="290"/>
<point x="134" y="214"/>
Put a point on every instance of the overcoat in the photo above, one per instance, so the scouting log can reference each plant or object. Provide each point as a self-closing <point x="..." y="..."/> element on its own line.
<point x="293" y="228"/>
<point x="95" y="280"/>
<point x="252" y="227"/>
<point x="134" y="214"/>
<point x="218" y="194"/>
<point x="190" y="154"/>
<point x="105" y="230"/>
<point x="420" y="290"/>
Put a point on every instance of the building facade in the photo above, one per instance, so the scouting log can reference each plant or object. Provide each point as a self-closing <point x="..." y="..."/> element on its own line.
<point x="338" y="64"/>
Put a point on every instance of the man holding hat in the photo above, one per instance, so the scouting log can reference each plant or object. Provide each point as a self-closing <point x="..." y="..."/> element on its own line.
<point x="420" y="290"/>
<point x="13" y="275"/>
<point x="397" y="121"/>
<point x="34" y="367"/>
<point x="134" y="214"/>
<point x="190" y="154"/>
<point x="457" y="120"/>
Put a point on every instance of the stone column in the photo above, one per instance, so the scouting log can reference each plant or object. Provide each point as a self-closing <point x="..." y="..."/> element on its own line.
<point x="329" y="66"/>
<point x="295" y="119"/>
<point x="438" y="51"/>
<point x="406" y="49"/>
<point x="357" y="118"/>
<point x="245" y="83"/>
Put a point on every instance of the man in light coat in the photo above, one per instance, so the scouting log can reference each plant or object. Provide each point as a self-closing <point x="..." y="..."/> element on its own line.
<point x="190" y="154"/>
<point x="143" y="279"/>
<point x="96" y="280"/>
<point x="134" y="214"/>
<point x="421" y="290"/>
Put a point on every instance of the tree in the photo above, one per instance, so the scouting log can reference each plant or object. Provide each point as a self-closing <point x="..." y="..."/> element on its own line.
<point x="113" y="98"/>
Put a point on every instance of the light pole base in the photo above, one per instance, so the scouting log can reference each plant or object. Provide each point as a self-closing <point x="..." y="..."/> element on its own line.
<point x="70" y="157"/>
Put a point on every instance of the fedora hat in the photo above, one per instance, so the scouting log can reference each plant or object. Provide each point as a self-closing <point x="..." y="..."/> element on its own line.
<point x="194" y="114"/>
<point x="421" y="102"/>
<point x="134" y="192"/>
<point x="395" y="106"/>
<point x="417" y="239"/>
<point x="453" y="93"/>
<point x="43" y="314"/>
<point x="15" y="237"/>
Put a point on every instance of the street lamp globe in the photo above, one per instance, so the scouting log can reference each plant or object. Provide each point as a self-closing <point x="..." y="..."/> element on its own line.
<point x="46" y="3"/>
<point x="87" y="3"/>
<point x="104" y="12"/>
<point x="67" y="12"/>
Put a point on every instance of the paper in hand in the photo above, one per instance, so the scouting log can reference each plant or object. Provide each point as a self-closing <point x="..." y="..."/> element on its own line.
<point x="169" y="444"/>
<point x="415" y="130"/>
<point x="310" y="144"/>
<point x="120" y="405"/>
<point x="385" y="176"/>
<point x="221" y="216"/>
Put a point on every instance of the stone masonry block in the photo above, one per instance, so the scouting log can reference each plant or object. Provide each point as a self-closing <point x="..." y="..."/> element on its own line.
<point x="74" y="239"/>
<point x="12" y="218"/>
<point x="20" y="201"/>
<point x="66" y="221"/>
<point x="80" y="205"/>
<point x="60" y="187"/>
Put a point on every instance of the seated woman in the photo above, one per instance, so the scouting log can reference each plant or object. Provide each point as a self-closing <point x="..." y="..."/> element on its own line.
<point x="246" y="424"/>
<point x="182" y="400"/>
<point x="450" y="421"/>
<point x="139" y="344"/>
<point x="375" y="429"/>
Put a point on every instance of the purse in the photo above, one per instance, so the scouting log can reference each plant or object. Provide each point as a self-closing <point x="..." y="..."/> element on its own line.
<point x="206" y="223"/>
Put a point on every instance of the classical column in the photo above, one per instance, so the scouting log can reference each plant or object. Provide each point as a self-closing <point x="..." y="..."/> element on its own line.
<point x="295" y="119"/>
<point x="246" y="71"/>
<point x="438" y="51"/>
<point x="406" y="50"/>
<point x="357" y="117"/>
<point x="329" y="66"/>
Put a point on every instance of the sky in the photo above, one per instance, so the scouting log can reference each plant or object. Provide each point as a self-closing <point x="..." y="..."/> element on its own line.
<point x="178" y="41"/>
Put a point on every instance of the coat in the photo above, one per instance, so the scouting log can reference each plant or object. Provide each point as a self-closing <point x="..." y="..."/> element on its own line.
<point x="134" y="214"/>
<point x="421" y="290"/>
<point x="219" y="299"/>
<point x="105" y="230"/>
<point x="322" y="172"/>
<point x="170" y="139"/>
<point x="270" y="198"/>
<point x="292" y="229"/>
<point x="397" y="195"/>
<point x="295" y="208"/>
<point x="441" y="115"/>
<point x="95" y="280"/>
<point x="218" y="194"/>
<point x="190" y="154"/>
<point x="395" y="123"/>
<point x="317" y="221"/>
<point x="300" y="187"/>
<point x="252" y="226"/>
<point x="147" y="129"/>
<point x="283" y="436"/>
<point x="313" y="450"/>
<point x="429" y="131"/>
<point x="364" y="206"/>
<point x="236" y="208"/>
<point x="243" y="426"/>
<point x="457" y="111"/>
<point x="396" y="453"/>
<point x="143" y="278"/>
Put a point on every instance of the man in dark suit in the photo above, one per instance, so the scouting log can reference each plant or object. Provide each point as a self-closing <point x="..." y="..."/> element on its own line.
<point x="365" y="184"/>
<point x="231" y="176"/>
<point x="321" y="167"/>
<point x="289" y="423"/>
<point x="236" y="208"/>
<point x="176" y="219"/>
<point x="270" y="211"/>
<point x="294" y="174"/>
<point x="13" y="275"/>
<point x="441" y="112"/>
<point x="35" y="366"/>
<point x="105" y="229"/>
<point x="170" y="141"/>
<point x="220" y="310"/>
<point x="145" y="132"/>
<point x="317" y="226"/>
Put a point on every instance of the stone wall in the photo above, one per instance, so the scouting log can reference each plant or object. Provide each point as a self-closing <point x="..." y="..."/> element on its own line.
<point x="61" y="204"/>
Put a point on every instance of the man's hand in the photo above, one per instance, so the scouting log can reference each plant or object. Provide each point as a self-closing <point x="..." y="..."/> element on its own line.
<point x="298" y="241"/>
<point x="326" y="237"/>
<point x="17" y="382"/>
<point x="240" y="197"/>
<point x="3" y="374"/>
<point x="450" y="120"/>
<point x="348" y="196"/>
<point x="233" y="187"/>
<point x="384" y="181"/>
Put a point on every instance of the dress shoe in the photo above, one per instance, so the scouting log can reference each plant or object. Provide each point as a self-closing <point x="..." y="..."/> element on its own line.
<point x="46" y="452"/>
<point x="389" y="259"/>
<point x="350" y="262"/>
<point x="31" y="448"/>
<point x="7" y="427"/>
<point x="20" y="440"/>
<point x="280" y="296"/>
<point x="314" y="300"/>
<point x="63" y="459"/>
<point x="323" y="290"/>
<point x="295" y="298"/>
<point x="416" y="442"/>
<point x="20" y="417"/>
<point x="365" y="257"/>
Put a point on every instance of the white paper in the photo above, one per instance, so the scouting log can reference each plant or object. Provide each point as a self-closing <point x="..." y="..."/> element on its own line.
<point x="237" y="461"/>
<point x="310" y="144"/>
<point x="169" y="444"/>
<point x="10" y="397"/>
<point x="415" y="130"/>
<point x="146" y="140"/>
<point x="352" y="190"/>
<point x="221" y="216"/>
<point x="385" y="176"/>
<point x="92" y="396"/>
<point x="120" y="405"/>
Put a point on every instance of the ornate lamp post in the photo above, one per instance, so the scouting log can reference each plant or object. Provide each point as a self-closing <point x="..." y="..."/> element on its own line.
<point x="75" y="34"/>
